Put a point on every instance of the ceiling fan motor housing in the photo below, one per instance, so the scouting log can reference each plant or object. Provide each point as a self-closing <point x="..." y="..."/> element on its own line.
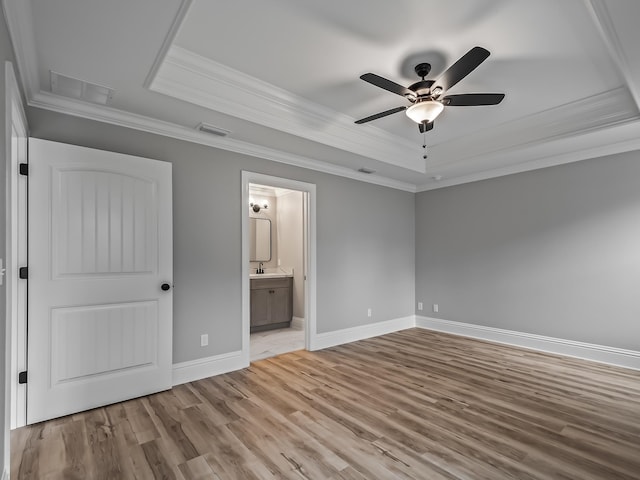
<point x="423" y="87"/>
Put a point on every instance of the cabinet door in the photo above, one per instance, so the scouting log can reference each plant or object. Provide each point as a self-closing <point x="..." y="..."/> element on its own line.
<point x="280" y="305"/>
<point x="260" y="311"/>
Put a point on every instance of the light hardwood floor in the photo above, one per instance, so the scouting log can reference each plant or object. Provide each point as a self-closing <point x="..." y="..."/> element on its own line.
<point x="413" y="404"/>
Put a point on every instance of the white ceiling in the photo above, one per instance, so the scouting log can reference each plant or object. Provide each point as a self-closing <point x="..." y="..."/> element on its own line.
<point x="282" y="76"/>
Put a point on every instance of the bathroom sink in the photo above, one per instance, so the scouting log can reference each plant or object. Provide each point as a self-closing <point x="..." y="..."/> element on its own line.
<point x="271" y="274"/>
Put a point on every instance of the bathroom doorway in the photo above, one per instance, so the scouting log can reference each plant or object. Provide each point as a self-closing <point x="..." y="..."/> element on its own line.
<point x="278" y="246"/>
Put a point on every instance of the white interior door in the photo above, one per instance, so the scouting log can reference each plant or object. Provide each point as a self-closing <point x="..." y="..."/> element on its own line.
<point x="100" y="249"/>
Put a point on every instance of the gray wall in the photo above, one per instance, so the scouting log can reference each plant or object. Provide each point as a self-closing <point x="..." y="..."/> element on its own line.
<point x="553" y="252"/>
<point x="365" y="235"/>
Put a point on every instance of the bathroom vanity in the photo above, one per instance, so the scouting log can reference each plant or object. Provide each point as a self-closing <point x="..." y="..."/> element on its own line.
<point x="271" y="301"/>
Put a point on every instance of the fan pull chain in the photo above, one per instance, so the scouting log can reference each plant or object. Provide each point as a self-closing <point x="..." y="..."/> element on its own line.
<point x="424" y="145"/>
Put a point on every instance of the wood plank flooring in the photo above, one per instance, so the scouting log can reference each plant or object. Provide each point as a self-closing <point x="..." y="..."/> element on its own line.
<point x="410" y="405"/>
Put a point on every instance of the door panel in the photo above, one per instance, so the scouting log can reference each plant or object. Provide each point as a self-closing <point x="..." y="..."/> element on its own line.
<point x="106" y="224"/>
<point x="90" y="341"/>
<point x="100" y="246"/>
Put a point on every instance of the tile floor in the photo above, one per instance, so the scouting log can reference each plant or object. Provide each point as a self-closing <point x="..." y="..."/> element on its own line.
<point x="275" y="342"/>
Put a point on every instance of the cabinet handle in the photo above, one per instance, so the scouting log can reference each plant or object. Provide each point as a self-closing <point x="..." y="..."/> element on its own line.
<point x="272" y="291"/>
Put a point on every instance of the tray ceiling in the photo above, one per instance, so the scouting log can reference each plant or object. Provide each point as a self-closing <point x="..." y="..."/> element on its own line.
<point x="282" y="78"/>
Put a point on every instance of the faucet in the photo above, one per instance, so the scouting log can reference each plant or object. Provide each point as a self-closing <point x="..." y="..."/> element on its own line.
<point x="260" y="269"/>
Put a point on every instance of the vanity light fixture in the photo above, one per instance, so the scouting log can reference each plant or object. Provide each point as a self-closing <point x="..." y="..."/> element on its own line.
<point x="256" y="207"/>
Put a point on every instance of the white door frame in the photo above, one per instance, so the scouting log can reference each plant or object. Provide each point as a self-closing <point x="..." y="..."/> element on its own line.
<point x="16" y="214"/>
<point x="310" y="331"/>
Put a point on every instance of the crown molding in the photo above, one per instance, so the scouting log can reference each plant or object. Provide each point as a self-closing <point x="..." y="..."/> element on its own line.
<point x="539" y="147"/>
<point x="168" y="40"/>
<point x="18" y="16"/>
<point x="195" y="79"/>
<point x="570" y="120"/>
<point x="49" y="101"/>
<point x="19" y="22"/>
<point x="605" y="26"/>
<point x="609" y="141"/>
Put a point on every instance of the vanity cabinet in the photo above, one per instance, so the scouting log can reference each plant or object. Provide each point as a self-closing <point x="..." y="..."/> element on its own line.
<point x="271" y="303"/>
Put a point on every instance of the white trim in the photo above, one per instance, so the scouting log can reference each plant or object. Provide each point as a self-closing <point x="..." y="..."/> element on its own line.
<point x="14" y="413"/>
<point x="625" y="133"/>
<point x="227" y="362"/>
<point x="297" y="323"/>
<point x="527" y="137"/>
<point x="18" y="16"/>
<point x="190" y="77"/>
<point x="353" y="334"/>
<point x="605" y="25"/>
<point x="207" y="367"/>
<point x="627" y="140"/>
<point x="134" y="121"/>
<point x="309" y="189"/>
<point x="19" y="22"/>
<point x="185" y="5"/>
<point x="570" y="348"/>
<point x="5" y="475"/>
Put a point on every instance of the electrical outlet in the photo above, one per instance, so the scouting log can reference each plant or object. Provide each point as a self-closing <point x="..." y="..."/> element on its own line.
<point x="435" y="308"/>
<point x="368" y="312"/>
<point x="204" y="340"/>
<point x="420" y="305"/>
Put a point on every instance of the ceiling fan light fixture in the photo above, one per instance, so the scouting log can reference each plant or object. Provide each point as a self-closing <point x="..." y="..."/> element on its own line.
<point x="425" y="111"/>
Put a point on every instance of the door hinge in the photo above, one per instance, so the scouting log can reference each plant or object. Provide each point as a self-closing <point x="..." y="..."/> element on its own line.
<point x="23" y="273"/>
<point x="24" y="169"/>
<point x="22" y="377"/>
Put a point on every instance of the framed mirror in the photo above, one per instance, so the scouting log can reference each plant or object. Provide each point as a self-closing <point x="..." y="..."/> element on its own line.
<point x="260" y="235"/>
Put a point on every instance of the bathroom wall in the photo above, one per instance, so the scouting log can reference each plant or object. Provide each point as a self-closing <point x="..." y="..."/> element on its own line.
<point x="290" y="216"/>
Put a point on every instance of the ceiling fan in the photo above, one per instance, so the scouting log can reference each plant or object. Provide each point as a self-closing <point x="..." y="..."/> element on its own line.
<point x="426" y="96"/>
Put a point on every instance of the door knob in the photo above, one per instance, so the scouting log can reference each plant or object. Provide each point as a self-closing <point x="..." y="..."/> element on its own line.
<point x="165" y="286"/>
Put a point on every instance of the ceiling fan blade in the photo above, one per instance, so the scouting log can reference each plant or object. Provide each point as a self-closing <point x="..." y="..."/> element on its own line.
<point x="388" y="85"/>
<point x="425" y="127"/>
<point x="473" y="99"/>
<point x="381" y="114"/>
<point x="463" y="67"/>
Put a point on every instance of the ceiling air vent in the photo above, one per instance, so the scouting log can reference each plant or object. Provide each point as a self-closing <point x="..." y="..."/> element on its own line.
<point x="206" y="128"/>
<point x="79" y="89"/>
<point x="366" y="170"/>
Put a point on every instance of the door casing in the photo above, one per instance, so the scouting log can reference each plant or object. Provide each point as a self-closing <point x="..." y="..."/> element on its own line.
<point x="309" y="191"/>
<point x="16" y="139"/>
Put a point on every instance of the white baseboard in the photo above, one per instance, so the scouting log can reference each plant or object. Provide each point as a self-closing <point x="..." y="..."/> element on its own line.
<point x="353" y="334"/>
<point x="297" y="323"/>
<point x="208" y="367"/>
<point x="588" y="351"/>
